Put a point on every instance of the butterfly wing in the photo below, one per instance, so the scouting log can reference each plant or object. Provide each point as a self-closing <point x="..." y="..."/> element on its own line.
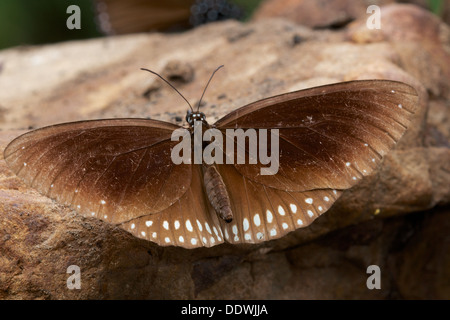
<point x="262" y="213"/>
<point x="329" y="136"/>
<point x="114" y="169"/>
<point x="121" y="171"/>
<point x="190" y="222"/>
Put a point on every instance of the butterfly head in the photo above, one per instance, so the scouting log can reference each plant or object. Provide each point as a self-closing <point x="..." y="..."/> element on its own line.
<point x="195" y="116"/>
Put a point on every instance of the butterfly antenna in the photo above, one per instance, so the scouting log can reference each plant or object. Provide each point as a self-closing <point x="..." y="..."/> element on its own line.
<point x="198" y="107"/>
<point x="169" y="85"/>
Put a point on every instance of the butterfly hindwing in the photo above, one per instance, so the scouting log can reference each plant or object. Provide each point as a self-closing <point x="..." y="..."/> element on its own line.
<point x="263" y="213"/>
<point x="190" y="222"/>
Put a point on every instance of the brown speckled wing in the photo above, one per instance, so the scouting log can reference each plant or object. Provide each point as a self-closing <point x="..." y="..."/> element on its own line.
<point x="115" y="169"/>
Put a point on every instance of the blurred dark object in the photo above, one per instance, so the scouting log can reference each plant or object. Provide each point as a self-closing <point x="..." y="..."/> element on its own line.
<point x="205" y="11"/>
<point x="121" y="17"/>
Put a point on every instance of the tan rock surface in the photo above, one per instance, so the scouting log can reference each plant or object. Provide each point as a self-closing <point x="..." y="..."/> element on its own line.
<point x="395" y="218"/>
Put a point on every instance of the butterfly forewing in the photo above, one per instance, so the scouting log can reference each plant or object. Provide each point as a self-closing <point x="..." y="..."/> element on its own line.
<point x="329" y="136"/>
<point x="111" y="169"/>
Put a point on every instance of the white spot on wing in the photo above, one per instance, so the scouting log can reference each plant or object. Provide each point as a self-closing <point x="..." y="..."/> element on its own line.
<point x="189" y="226"/>
<point x="269" y="216"/>
<point x="208" y="228"/>
<point x="309" y="200"/>
<point x="257" y="220"/>
<point x="200" y="227"/>
<point x="281" y="210"/>
<point x="293" y="208"/>
<point x="245" y="224"/>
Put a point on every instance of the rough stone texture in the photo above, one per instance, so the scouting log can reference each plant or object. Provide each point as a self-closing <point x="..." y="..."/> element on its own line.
<point x="398" y="218"/>
<point x="315" y="13"/>
<point x="332" y="13"/>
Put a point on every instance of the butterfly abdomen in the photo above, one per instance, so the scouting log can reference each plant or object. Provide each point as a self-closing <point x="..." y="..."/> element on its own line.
<point x="217" y="192"/>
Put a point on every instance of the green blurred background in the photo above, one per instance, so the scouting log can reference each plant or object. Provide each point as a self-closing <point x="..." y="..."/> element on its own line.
<point x="25" y="22"/>
<point x="28" y="22"/>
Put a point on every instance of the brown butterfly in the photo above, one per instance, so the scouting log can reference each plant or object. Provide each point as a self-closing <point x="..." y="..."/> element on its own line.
<point x="121" y="171"/>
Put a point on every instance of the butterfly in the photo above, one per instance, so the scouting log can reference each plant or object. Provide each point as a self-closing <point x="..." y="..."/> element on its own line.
<point x="121" y="170"/>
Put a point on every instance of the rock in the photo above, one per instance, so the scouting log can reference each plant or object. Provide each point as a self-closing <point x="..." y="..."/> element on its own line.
<point x="314" y="14"/>
<point x="395" y="218"/>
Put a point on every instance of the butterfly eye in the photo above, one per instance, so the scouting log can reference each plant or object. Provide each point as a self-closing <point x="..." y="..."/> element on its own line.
<point x="189" y="117"/>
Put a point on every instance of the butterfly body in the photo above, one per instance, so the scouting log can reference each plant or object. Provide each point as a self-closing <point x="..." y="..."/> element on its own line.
<point x="215" y="188"/>
<point x="217" y="193"/>
<point x="121" y="170"/>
